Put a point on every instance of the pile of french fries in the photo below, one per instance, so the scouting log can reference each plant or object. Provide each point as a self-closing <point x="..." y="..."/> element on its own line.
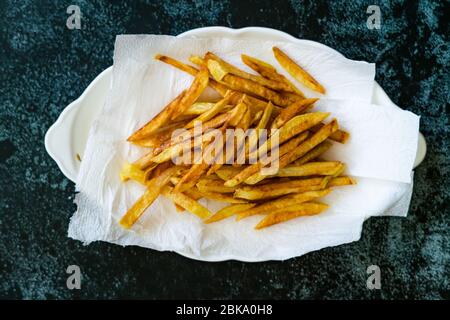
<point x="264" y="99"/>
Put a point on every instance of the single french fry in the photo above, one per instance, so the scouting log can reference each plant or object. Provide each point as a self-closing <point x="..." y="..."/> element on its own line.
<point x="293" y="127"/>
<point x="199" y="107"/>
<point x="340" y="136"/>
<point x="227" y="172"/>
<point x="212" y="185"/>
<point x="195" y="90"/>
<point x="254" y="168"/>
<point x="161" y="119"/>
<point x="267" y="70"/>
<point x="229" y="68"/>
<point x="296" y="71"/>
<point x="130" y="171"/>
<point x="222" y="197"/>
<point x="229" y="211"/>
<point x="272" y="190"/>
<point x="159" y="136"/>
<point x="341" y="181"/>
<point x="290" y="111"/>
<point x="220" y="88"/>
<point x="244" y="85"/>
<point x="153" y="190"/>
<point x="211" y="113"/>
<point x="282" y="202"/>
<point x="324" y="168"/>
<point x="306" y="209"/>
<point x="186" y="202"/>
<point x="313" y="153"/>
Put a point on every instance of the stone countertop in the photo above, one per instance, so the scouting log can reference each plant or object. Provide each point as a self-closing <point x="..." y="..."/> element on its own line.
<point x="44" y="66"/>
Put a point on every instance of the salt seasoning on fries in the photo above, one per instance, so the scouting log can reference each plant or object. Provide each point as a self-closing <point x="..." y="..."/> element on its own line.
<point x="279" y="129"/>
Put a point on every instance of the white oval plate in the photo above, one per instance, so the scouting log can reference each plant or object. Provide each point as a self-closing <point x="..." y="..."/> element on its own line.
<point x="67" y="137"/>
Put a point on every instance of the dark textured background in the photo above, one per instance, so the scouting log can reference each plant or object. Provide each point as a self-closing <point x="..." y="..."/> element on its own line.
<point x="44" y="66"/>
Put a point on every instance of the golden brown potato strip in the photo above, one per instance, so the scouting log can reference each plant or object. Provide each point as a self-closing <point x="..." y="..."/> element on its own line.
<point x="268" y="71"/>
<point x="161" y="119"/>
<point x="153" y="190"/>
<point x="195" y="90"/>
<point x="293" y="127"/>
<point x="282" y="202"/>
<point x="131" y="171"/>
<point x="306" y="209"/>
<point x="324" y="168"/>
<point x="340" y="136"/>
<point x="222" y="197"/>
<point x="296" y="71"/>
<point x="211" y="113"/>
<point x="292" y="110"/>
<point x="198" y="108"/>
<point x="186" y="202"/>
<point x="341" y="181"/>
<point x="313" y="153"/>
<point x="272" y="190"/>
<point x="254" y="168"/>
<point x="244" y="85"/>
<point x="220" y="88"/>
<point x="160" y="136"/>
<point x="229" y="68"/>
<point x="229" y="211"/>
<point x="213" y="185"/>
<point x="191" y="177"/>
<point x="227" y="172"/>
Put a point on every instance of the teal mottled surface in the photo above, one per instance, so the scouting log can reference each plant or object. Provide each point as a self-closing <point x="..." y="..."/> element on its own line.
<point x="44" y="66"/>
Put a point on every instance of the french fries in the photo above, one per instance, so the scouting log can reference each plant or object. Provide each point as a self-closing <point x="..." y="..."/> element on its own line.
<point x="296" y="71"/>
<point x="280" y="175"/>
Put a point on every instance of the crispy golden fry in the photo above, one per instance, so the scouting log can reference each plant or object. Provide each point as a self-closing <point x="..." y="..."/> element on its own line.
<point x="161" y="119"/>
<point x="222" y="197"/>
<point x="229" y="68"/>
<point x="244" y="85"/>
<point x="220" y="88"/>
<point x="254" y="168"/>
<point x="131" y="171"/>
<point x="195" y="90"/>
<point x="272" y="190"/>
<point x="306" y="209"/>
<point x="153" y="190"/>
<point x="198" y="108"/>
<point x="340" y="136"/>
<point x="227" y="172"/>
<point x="341" y="181"/>
<point x="327" y="168"/>
<point x="290" y="96"/>
<point x="186" y="202"/>
<point x="191" y="177"/>
<point x="284" y="149"/>
<point x="283" y="202"/>
<point x="208" y="115"/>
<point x="194" y="193"/>
<point x="289" y="112"/>
<point x="213" y="185"/>
<point x="160" y="136"/>
<point x="268" y="71"/>
<point x="313" y="153"/>
<point x="229" y="211"/>
<point x="293" y="127"/>
<point x="257" y="116"/>
<point x="296" y="71"/>
<point x="262" y="124"/>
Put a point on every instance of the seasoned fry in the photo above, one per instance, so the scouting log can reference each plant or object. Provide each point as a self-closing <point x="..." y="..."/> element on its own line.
<point x="327" y="168"/>
<point x="212" y="185"/>
<point x="283" y="202"/>
<point x="186" y="202"/>
<point x="292" y="110"/>
<point x="340" y="136"/>
<point x="153" y="189"/>
<point x="161" y="119"/>
<point x="244" y="85"/>
<point x="306" y="209"/>
<point x="341" y="181"/>
<point x="229" y="68"/>
<point x="313" y="153"/>
<point x="229" y="211"/>
<point x="272" y="190"/>
<point x="268" y="71"/>
<point x="296" y="71"/>
<point x="195" y="90"/>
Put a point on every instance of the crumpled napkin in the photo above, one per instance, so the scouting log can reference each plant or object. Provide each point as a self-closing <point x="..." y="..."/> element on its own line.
<point x="380" y="154"/>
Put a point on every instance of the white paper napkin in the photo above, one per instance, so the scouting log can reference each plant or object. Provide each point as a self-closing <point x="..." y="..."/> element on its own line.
<point x="380" y="153"/>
